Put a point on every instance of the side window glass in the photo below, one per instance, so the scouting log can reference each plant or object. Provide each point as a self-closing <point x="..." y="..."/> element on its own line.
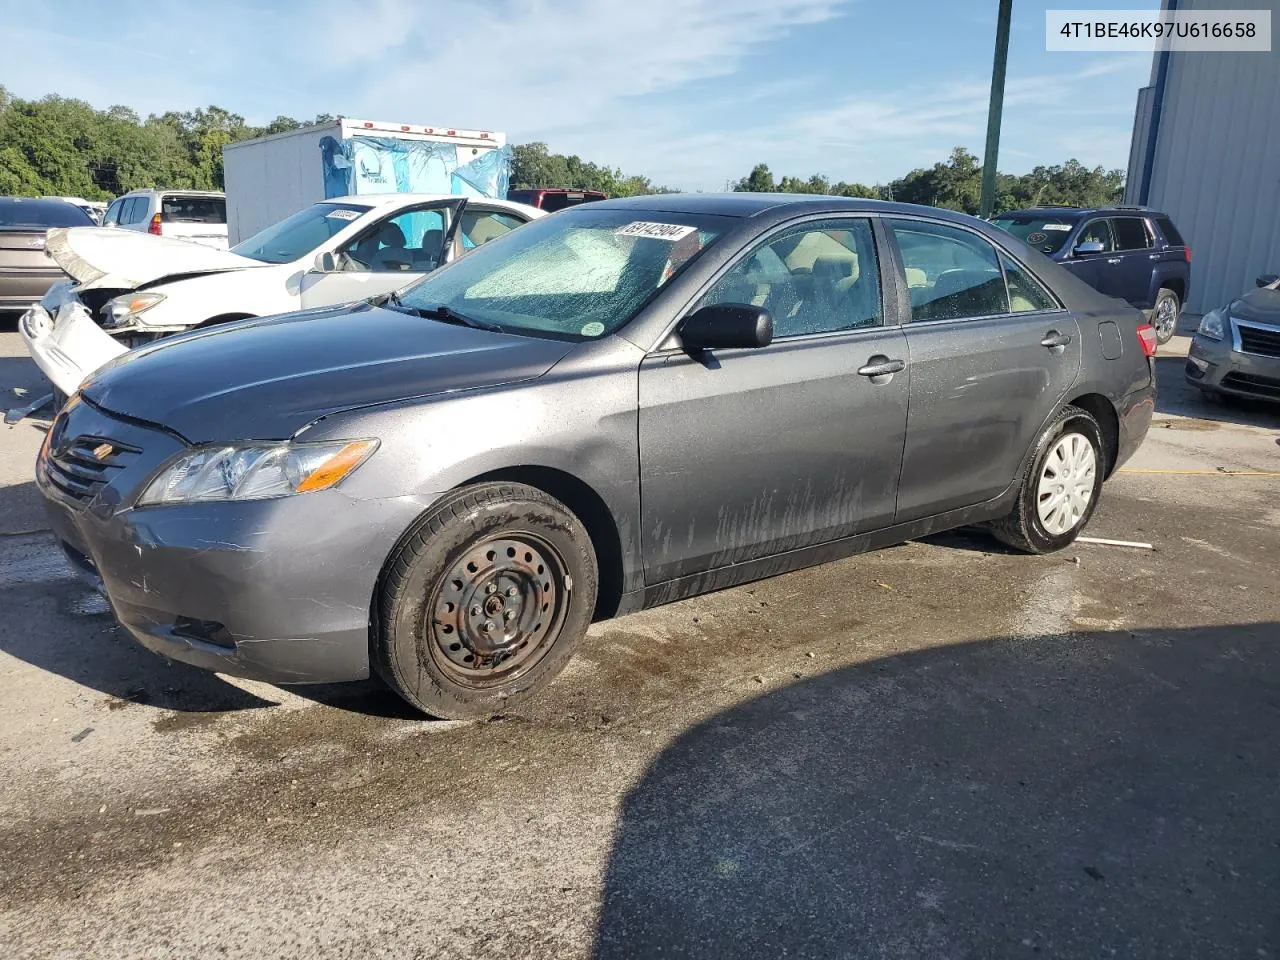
<point x="951" y="274"/>
<point x="1131" y="233"/>
<point x="1025" y="293"/>
<point x="113" y="213"/>
<point x="813" y="279"/>
<point x="135" y="210"/>
<point x="478" y="227"/>
<point x="1097" y="232"/>
<point x="411" y="242"/>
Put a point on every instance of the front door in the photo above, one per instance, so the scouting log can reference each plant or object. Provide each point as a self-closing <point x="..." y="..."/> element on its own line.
<point x="390" y="254"/>
<point x="1092" y="267"/>
<point x="992" y="355"/>
<point x="746" y="453"/>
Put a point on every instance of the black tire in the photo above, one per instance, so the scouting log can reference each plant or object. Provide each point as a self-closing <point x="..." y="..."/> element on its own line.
<point x="434" y="641"/>
<point x="1023" y="529"/>
<point x="1164" y="327"/>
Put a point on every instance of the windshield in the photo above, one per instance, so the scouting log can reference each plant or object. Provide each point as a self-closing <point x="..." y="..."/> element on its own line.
<point x="1046" y="233"/>
<point x="578" y="275"/>
<point x="298" y="235"/>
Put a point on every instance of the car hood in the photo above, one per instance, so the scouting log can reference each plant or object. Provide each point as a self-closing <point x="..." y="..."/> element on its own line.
<point x="125" y="259"/>
<point x="1258" y="306"/>
<point x="266" y="379"/>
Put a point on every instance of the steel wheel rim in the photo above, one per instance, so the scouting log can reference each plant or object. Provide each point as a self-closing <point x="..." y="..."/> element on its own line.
<point x="1166" y="315"/>
<point x="498" y="610"/>
<point x="1066" y="484"/>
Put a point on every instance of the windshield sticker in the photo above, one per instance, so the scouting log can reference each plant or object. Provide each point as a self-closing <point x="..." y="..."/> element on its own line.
<point x="1057" y="226"/>
<point x="592" y="329"/>
<point x="1036" y="237"/>
<point x="655" y="231"/>
<point x="342" y="214"/>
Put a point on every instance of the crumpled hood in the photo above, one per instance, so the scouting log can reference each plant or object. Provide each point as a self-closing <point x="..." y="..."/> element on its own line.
<point x="124" y="259"/>
<point x="266" y="379"/>
<point x="1258" y="306"/>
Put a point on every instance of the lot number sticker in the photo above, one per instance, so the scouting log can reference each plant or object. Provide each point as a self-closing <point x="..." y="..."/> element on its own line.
<point x="342" y="214"/>
<point x="655" y="231"/>
<point x="1056" y="226"/>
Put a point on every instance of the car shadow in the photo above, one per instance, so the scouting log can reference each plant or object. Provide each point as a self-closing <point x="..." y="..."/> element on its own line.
<point x="1176" y="397"/>
<point x="1098" y="794"/>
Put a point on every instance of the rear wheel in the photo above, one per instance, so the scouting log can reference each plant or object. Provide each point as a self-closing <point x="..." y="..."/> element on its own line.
<point x="486" y="602"/>
<point x="1060" y="490"/>
<point x="1164" y="316"/>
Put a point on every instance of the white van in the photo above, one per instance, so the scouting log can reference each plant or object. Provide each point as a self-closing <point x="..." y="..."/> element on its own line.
<point x="196" y="215"/>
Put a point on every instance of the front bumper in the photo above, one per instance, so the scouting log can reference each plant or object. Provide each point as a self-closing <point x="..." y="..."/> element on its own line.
<point x="276" y="590"/>
<point x="67" y="346"/>
<point x="1220" y="366"/>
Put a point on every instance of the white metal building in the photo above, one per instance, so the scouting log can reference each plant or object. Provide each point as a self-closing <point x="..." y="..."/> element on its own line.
<point x="1206" y="150"/>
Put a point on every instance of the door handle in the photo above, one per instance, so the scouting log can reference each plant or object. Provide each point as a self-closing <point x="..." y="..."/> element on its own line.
<point x="1113" y="259"/>
<point x="881" y="366"/>
<point x="1055" y="340"/>
<point x="1153" y="256"/>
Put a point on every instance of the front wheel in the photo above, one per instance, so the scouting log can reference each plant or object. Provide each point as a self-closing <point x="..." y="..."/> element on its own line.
<point x="486" y="602"/>
<point x="1060" y="490"/>
<point x="1164" y="315"/>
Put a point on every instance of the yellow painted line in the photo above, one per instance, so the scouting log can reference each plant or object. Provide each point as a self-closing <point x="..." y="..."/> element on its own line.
<point x="1203" y="473"/>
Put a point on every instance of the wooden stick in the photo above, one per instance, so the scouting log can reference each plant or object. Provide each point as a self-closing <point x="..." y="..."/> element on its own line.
<point x="1115" y="543"/>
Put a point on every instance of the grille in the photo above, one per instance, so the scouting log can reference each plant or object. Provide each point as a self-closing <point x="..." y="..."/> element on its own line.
<point x="78" y="471"/>
<point x="1248" y="383"/>
<point x="1258" y="340"/>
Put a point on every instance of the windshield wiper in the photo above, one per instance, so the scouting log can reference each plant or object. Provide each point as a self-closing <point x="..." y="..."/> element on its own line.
<point x="449" y="315"/>
<point x="384" y="299"/>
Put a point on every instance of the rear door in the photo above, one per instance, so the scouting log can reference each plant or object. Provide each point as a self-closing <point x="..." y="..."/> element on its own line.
<point x="992" y="354"/>
<point x="1092" y="267"/>
<point x="1130" y="279"/>
<point x="746" y="453"/>
<point x="202" y="219"/>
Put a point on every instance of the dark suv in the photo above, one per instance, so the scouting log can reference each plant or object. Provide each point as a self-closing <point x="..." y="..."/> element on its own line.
<point x="1132" y="253"/>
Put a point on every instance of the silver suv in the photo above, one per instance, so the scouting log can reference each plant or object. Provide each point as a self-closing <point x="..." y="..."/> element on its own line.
<point x="197" y="215"/>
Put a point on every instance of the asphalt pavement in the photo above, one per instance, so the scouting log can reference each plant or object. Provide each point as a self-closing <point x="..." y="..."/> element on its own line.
<point x="941" y="749"/>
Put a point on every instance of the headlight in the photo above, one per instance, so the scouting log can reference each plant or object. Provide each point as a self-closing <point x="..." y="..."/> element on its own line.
<point x="1211" y="325"/>
<point x="129" y="306"/>
<point x="255" y="471"/>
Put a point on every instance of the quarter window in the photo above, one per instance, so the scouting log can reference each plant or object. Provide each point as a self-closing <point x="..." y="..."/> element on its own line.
<point x="478" y="227"/>
<point x="817" y="278"/>
<point x="1025" y="292"/>
<point x="951" y="274"/>
<point x="1131" y="233"/>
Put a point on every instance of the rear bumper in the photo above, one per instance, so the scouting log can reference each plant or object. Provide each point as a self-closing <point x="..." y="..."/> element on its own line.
<point x="67" y="347"/>
<point x="1216" y="366"/>
<point x="1134" y="413"/>
<point x="19" y="289"/>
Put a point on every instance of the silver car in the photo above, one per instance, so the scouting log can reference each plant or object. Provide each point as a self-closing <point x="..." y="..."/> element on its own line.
<point x="1236" y="349"/>
<point x="624" y="404"/>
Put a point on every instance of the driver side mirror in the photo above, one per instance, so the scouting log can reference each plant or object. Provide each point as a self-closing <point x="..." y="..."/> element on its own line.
<point x="326" y="263"/>
<point x="1088" y="246"/>
<point x="727" y="325"/>
<point x="1267" y="279"/>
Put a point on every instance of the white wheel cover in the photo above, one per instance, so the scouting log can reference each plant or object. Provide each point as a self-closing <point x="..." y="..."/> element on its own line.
<point x="1066" y="483"/>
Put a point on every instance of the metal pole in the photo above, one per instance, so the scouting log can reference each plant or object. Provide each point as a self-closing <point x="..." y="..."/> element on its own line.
<point x="991" y="154"/>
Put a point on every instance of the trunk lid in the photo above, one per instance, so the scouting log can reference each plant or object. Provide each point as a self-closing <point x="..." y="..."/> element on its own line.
<point x="126" y="260"/>
<point x="24" y="249"/>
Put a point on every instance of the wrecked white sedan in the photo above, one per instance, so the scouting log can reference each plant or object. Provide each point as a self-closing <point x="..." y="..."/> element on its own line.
<point x="130" y="288"/>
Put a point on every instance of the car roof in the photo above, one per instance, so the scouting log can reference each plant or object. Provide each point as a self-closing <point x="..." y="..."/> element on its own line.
<point x="158" y="191"/>
<point x="379" y="200"/>
<point x="754" y="204"/>
<point x="1077" y="212"/>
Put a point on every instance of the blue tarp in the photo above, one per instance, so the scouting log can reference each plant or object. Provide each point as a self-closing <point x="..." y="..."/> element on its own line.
<point x="361" y="165"/>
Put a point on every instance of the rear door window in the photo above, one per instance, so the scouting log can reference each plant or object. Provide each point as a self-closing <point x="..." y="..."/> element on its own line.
<point x="1026" y="295"/>
<point x="481" y="226"/>
<point x="1130" y="233"/>
<point x="135" y="210"/>
<point x="951" y="273"/>
<point x="180" y="209"/>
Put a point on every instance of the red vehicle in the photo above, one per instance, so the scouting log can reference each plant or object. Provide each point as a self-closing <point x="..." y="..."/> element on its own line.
<point x="552" y="199"/>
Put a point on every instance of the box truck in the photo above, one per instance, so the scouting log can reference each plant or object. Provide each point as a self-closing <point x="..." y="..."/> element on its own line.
<point x="270" y="178"/>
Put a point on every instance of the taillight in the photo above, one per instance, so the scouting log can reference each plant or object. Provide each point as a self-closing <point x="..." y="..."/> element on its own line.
<point x="1147" y="337"/>
<point x="154" y="228"/>
<point x="1186" y="252"/>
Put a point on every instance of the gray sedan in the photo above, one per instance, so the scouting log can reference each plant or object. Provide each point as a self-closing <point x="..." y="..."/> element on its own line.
<point x="628" y="403"/>
<point x="1236" y="350"/>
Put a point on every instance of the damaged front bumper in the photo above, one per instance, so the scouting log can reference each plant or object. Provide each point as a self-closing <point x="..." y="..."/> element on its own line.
<point x="66" y="344"/>
<point x="277" y="590"/>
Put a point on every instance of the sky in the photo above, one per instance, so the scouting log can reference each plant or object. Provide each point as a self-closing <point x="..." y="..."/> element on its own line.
<point x="691" y="93"/>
